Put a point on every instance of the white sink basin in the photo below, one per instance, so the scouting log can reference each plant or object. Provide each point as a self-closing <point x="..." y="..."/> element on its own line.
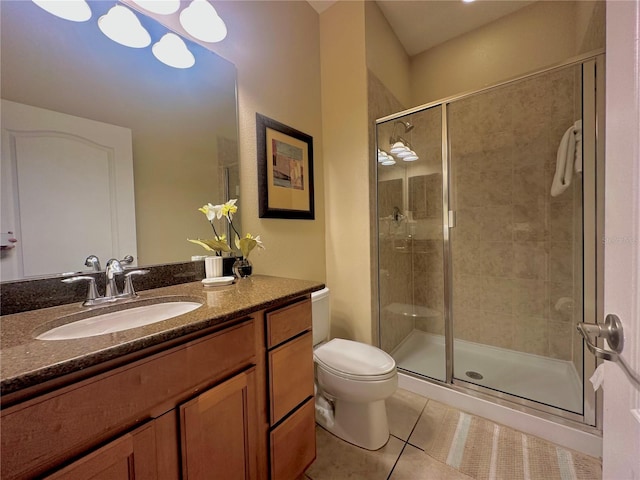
<point x="119" y="320"/>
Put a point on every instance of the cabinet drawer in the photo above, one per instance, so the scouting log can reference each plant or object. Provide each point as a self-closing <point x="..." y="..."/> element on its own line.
<point x="42" y="432"/>
<point x="293" y="443"/>
<point x="287" y="322"/>
<point x="291" y="376"/>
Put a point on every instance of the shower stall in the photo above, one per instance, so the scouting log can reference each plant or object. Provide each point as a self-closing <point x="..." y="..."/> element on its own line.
<point x="488" y="220"/>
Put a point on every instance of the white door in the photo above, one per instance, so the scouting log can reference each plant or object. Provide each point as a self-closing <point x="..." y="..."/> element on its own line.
<point x="51" y="160"/>
<point x="621" y="419"/>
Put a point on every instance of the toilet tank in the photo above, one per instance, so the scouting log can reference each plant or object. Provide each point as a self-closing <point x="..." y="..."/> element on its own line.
<point x="320" y="315"/>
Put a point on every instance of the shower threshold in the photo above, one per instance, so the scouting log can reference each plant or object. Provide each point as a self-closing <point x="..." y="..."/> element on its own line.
<point x="540" y="379"/>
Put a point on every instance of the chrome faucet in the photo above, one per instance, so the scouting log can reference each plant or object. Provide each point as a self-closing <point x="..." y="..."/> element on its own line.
<point x="114" y="267"/>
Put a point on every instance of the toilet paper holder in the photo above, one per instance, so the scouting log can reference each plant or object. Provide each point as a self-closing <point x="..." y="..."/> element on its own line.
<point x="611" y="330"/>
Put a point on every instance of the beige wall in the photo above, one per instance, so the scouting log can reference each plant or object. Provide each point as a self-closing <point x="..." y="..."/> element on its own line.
<point x="276" y="49"/>
<point x="536" y="36"/>
<point x="385" y="55"/>
<point x="344" y="122"/>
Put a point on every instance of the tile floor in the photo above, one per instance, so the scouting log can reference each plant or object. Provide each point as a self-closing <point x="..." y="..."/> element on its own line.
<point x="413" y="420"/>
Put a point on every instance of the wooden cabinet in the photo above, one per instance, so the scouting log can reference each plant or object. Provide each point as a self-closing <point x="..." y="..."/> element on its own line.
<point x="217" y="434"/>
<point x="234" y="403"/>
<point x="216" y="440"/>
<point x="50" y="430"/>
<point x="292" y="441"/>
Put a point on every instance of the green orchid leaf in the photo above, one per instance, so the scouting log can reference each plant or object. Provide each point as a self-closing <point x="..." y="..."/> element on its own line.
<point x="246" y="245"/>
<point x="212" y="245"/>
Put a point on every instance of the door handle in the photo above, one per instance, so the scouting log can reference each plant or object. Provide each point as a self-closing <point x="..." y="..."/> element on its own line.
<point x="611" y="330"/>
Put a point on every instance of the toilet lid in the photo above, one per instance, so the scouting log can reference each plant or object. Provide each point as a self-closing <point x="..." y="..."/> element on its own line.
<point x="354" y="358"/>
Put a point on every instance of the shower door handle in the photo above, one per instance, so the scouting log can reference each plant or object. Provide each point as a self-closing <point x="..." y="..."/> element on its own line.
<point x="611" y="330"/>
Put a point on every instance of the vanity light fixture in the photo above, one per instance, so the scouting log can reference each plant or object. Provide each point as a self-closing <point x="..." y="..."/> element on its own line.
<point x="202" y="21"/>
<point x="122" y="26"/>
<point x="162" y="7"/>
<point x="171" y="50"/>
<point x="74" y="10"/>
<point x="388" y="162"/>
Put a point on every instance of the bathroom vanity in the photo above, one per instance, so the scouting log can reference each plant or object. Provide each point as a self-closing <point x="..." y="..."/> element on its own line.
<point x="224" y="391"/>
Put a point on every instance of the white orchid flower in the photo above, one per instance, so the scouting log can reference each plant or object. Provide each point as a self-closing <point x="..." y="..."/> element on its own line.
<point x="210" y="211"/>
<point x="229" y="208"/>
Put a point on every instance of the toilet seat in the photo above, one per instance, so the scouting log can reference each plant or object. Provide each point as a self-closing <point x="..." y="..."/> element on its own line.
<point x="355" y="360"/>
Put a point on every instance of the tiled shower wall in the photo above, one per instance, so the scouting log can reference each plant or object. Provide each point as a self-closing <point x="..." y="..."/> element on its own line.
<point x="513" y="246"/>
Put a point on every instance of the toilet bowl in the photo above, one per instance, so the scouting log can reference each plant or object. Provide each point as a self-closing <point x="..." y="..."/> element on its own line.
<point x="353" y="380"/>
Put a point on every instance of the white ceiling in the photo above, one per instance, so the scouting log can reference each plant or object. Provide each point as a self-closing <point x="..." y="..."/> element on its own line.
<point x="422" y="24"/>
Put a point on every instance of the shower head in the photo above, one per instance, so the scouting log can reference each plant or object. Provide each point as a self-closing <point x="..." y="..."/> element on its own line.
<point x="408" y="126"/>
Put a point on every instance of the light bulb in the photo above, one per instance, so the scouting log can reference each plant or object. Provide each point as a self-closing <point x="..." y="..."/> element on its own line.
<point x="171" y="50"/>
<point x="382" y="156"/>
<point x="122" y="26"/>
<point x="397" y="148"/>
<point x="201" y="20"/>
<point x="74" y="10"/>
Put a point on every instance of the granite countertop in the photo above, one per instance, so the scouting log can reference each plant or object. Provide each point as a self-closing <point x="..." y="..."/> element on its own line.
<point x="25" y="361"/>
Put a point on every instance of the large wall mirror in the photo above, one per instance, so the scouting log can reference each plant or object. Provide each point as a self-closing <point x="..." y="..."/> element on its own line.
<point x="182" y="147"/>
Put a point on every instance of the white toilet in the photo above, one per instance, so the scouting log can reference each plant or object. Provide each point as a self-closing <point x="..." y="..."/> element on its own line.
<point x="353" y="380"/>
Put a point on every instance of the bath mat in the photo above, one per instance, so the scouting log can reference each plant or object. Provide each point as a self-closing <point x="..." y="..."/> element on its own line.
<point x="485" y="450"/>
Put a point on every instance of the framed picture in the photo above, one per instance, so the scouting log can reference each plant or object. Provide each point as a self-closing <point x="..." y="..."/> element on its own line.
<point x="285" y="171"/>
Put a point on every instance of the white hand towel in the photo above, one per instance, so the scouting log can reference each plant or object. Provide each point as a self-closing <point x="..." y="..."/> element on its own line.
<point x="569" y="157"/>
<point x="564" y="168"/>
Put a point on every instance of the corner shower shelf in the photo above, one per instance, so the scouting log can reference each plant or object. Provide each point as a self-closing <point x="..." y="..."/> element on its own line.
<point x="409" y="310"/>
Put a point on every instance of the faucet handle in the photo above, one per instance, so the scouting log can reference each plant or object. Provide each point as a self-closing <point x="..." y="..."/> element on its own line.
<point x="92" y="293"/>
<point x="129" y="291"/>
<point x="127" y="260"/>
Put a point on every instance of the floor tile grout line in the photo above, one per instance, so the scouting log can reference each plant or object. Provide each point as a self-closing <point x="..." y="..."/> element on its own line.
<point x="397" y="460"/>
<point x="406" y="442"/>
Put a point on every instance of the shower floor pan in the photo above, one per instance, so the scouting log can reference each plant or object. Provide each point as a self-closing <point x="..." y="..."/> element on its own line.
<point x="541" y="379"/>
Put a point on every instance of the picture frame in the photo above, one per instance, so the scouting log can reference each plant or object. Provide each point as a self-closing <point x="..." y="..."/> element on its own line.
<point x="285" y="171"/>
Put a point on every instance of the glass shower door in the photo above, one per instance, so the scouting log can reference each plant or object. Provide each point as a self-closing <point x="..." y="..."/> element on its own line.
<point x="516" y="248"/>
<point x="410" y="236"/>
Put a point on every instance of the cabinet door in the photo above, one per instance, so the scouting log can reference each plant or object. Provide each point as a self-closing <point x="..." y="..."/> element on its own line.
<point x="131" y="456"/>
<point x="218" y="431"/>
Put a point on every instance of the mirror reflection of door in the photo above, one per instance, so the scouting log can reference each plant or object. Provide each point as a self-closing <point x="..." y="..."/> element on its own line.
<point x="63" y="174"/>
